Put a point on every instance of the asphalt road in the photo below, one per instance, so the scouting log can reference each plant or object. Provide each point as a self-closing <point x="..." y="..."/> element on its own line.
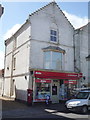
<point x="16" y="110"/>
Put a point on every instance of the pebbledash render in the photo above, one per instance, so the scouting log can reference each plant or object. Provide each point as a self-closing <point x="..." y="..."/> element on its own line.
<point x="40" y="58"/>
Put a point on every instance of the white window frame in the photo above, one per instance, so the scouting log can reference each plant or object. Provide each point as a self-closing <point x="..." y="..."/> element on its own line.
<point x="51" y="52"/>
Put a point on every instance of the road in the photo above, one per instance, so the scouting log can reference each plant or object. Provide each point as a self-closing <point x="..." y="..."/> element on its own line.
<point x="13" y="109"/>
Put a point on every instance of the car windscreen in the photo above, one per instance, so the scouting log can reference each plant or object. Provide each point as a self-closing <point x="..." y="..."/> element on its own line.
<point x="82" y="95"/>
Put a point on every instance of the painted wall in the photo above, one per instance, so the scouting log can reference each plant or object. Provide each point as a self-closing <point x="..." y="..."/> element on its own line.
<point x="42" y="22"/>
<point x="20" y="75"/>
<point x="81" y="52"/>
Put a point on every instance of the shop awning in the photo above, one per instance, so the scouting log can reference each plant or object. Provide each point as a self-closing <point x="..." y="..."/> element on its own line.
<point x="57" y="75"/>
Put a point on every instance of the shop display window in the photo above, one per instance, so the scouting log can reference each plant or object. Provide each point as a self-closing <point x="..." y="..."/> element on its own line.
<point x="42" y="90"/>
<point x="67" y="90"/>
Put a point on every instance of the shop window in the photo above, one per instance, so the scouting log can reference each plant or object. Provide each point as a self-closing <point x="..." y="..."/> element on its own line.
<point x="67" y="89"/>
<point x="53" y="60"/>
<point x="42" y="90"/>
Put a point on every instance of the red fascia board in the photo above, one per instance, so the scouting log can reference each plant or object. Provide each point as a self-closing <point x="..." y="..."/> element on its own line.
<point x="57" y="75"/>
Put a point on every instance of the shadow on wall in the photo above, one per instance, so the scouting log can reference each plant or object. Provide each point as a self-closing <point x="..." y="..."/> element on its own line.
<point x="21" y="95"/>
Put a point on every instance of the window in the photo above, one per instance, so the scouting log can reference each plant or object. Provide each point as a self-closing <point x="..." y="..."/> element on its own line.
<point x="53" y="60"/>
<point x="14" y="63"/>
<point x="42" y="90"/>
<point x="53" y="35"/>
<point x="15" y="43"/>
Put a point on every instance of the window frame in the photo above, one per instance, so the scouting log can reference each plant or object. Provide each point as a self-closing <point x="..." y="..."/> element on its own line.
<point x="14" y="63"/>
<point x="15" y="43"/>
<point x="53" y="35"/>
<point x="51" y="60"/>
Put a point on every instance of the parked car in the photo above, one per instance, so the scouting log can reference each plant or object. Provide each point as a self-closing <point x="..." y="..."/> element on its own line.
<point x="80" y="103"/>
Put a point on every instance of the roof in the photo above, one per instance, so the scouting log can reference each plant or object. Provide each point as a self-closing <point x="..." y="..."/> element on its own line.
<point x="54" y="48"/>
<point x="53" y="3"/>
<point x="83" y="26"/>
<point x="9" y="39"/>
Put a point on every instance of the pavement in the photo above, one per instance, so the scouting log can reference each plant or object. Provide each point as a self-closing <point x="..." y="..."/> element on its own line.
<point x="14" y="109"/>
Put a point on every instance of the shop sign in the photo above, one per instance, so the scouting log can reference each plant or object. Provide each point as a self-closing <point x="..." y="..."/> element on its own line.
<point x="38" y="73"/>
<point x="57" y="75"/>
<point x="42" y="81"/>
<point x="39" y="100"/>
<point x="70" y="82"/>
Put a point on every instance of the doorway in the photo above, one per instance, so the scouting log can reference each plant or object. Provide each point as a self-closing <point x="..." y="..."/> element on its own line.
<point x="55" y="91"/>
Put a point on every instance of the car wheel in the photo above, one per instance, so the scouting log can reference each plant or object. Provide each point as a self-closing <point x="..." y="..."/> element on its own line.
<point x="84" y="109"/>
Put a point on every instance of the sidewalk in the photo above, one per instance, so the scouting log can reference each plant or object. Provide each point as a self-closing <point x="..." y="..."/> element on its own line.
<point x="6" y="98"/>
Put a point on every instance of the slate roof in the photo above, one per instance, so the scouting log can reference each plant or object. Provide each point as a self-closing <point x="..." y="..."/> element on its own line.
<point x="48" y="5"/>
<point x="53" y="3"/>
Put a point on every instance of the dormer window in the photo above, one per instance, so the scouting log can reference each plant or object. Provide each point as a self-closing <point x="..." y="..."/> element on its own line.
<point x="53" y="35"/>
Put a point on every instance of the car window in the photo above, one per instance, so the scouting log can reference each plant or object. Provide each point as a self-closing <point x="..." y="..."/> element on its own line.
<point x="82" y="95"/>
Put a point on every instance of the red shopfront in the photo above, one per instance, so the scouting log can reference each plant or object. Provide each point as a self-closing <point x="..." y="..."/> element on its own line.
<point x="54" y="84"/>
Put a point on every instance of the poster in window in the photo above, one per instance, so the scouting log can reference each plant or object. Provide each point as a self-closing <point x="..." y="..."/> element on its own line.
<point x="54" y="90"/>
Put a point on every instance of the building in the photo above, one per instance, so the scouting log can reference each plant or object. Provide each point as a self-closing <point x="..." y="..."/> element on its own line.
<point x="1" y="10"/>
<point x="82" y="51"/>
<point x="1" y="81"/>
<point x="39" y="58"/>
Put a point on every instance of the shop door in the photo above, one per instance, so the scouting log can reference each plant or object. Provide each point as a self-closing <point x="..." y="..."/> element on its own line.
<point x="55" y="91"/>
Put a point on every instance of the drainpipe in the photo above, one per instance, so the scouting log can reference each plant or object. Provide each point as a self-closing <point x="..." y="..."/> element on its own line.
<point x="74" y="49"/>
<point x="4" y="70"/>
<point x="12" y="69"/>
<point x="75" y="67"/>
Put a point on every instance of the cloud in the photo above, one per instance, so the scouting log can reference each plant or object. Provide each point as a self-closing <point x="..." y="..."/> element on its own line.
<point x="11" y="31"/>
<point x="76" y="21"/>
<point x="1" y="59"/>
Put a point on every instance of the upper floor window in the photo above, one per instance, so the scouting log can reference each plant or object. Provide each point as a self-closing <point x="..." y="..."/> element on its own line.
<point x="53" y="60"/>
<point x="53" y="35"/>
<point x="14" y="63"/>
<point x="15" y="43"/>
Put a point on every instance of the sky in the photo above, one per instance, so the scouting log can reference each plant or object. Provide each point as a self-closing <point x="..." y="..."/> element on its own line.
<point x="16" y="13"/>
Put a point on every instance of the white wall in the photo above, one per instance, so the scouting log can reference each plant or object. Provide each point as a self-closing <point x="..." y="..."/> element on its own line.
<point x="81" y="52"/>
<point x="7" y="86"/>
<point x="1" y="85"/>
<point x="84" y="53"/>
<point x="21" y="85"/>
<point x="21" y="53"/>
<point x="40" y="36"/>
